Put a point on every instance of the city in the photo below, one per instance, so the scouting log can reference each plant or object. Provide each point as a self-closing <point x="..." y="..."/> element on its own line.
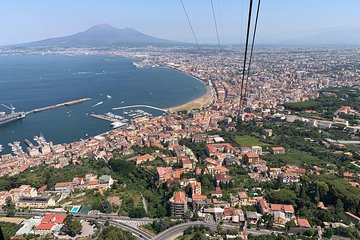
<point x="276" y="156"/>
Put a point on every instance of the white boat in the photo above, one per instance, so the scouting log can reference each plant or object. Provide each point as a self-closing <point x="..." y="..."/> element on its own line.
<point x="108" y="96"/>
<point x="118" y="124"/>
<point x="1" y="148"/>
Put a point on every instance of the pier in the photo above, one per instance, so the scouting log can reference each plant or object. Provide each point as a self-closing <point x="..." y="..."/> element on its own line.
<point x="140" y="106"/>
<point x="69" y="103"/>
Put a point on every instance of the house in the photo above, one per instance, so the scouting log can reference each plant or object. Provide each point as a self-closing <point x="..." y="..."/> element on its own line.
<point x="23" y="191"/>
<point x="251" y="158"/>
<point x="263" y="206"/>
<point x="64" y="187"/>
<point x="186" y="163"/>
<point x="164" y="173"/>
<point x="178" y="204"/>
<point x="252" y="217"/>
<point x="256" y="149"/>
<point x="277" y="150"/>
<point x="36" y="202"/>
<point x="279" y="218"/>
<point x="143" y="158"/>
<point x="199" y="138"/>
<point x="217" y="192"/>
<point x="106" y="181"/>
<point x="289" y="178"/>
<point x="195" y="188"/>
<point x="244" y="199"/>
<point x="222" y="178"/>
<point x="199" y="201"/>
<point x="282" y="212"/>
<point x="303" y="223"/>
<point x="212" y="149"/>
<point x="348" y="176"/>
<point x="245" y="149"/>
<point x="3" y="196"/>
<point x="274" y="173"/>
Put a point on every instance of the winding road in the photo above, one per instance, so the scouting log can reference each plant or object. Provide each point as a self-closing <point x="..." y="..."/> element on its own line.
<point x="131" y="225"/>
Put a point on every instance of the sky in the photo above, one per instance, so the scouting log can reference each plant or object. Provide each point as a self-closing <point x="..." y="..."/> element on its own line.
<point x="279" y="21"/>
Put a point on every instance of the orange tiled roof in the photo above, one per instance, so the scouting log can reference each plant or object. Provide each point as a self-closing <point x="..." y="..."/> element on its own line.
<point x="179" y="197"/>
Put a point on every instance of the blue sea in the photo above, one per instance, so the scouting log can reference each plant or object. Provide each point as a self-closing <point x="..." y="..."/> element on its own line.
<point x="30" y="82"/>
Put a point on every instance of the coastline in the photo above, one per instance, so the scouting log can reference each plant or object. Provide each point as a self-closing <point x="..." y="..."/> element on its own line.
<point x="201" y="102"/>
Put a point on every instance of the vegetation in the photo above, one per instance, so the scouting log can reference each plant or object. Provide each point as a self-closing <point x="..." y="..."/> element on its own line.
<point x="326" y="105"/>
<point x="195" y="233"/>
<point x="197" y="148"/>
<point x="160" y="225"/>
<point x="246" y="140"/>
<point x="114" y="233"/>
<point x="72" y="226"/>
<point x="9" y="229"/>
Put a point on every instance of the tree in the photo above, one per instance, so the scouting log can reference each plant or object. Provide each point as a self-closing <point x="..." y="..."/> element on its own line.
<point x="113" y="233"/>
<point x="9" y="207"/>
<point x="138" y="212"/>
<point x="72" y="226"/>
<point x="106" y="207"/>
<point x="328" y="233"/>
<point x="290" y="224"/>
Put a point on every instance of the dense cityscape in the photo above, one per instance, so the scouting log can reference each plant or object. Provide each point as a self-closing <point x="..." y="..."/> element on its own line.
<point x="203" y="168"/>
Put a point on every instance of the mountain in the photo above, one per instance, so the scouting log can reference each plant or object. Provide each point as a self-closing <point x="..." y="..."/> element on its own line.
<point x="101" y="36"/>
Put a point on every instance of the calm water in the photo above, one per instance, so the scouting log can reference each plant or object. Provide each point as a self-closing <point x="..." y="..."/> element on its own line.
<point x="30" y="82"/>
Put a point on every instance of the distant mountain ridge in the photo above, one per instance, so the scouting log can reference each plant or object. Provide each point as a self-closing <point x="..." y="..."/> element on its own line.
<point x="101" y="35"/>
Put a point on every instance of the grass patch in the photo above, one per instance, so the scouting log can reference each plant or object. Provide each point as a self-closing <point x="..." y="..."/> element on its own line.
<point x="292" y="157"/>
<point x="246" y="140"/>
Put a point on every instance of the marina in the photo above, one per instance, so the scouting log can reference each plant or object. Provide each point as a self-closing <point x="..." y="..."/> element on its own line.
<point x="116" y="120"/>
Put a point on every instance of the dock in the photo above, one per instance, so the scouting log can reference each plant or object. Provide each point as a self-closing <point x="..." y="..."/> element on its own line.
<point x="140" y="106"/>
<point x="69" y="103"/>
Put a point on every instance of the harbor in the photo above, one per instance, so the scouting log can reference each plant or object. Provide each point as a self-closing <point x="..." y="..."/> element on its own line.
<point x="116" y="120"/>
<point x="120" y="121"/>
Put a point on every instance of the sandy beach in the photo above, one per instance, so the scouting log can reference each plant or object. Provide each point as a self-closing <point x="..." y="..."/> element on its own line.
<point x="200" y="102"/>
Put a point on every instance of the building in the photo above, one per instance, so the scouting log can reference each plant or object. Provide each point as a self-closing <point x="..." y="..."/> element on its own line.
<point x="282" y="213"/>
<point x="23" y="191"/>
<point x="244" y="198"/>
<point x="277" y="150"/>
<point x="50" y="223"/>
<point x="251" y="158"/>
<point x="256" y="149"/>
<point x="195" y="188"/>
<point x="36" y="202"/>
<point x="143" y="158"/>
<point x="178" y="204"/>
<point x="186" y="163"/>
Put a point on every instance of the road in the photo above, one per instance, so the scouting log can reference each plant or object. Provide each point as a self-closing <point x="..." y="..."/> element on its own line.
<point x="177" y="230"/>
<point x="125" y="223"/>
<point x="131" y="225"/>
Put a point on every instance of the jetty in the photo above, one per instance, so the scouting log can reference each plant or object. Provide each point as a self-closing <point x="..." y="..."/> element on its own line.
<point x="69" y="103"/>
<point x="140" y="106"/>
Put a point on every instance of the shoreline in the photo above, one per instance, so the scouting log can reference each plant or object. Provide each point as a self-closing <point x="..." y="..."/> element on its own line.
<point x="198" y="103"/>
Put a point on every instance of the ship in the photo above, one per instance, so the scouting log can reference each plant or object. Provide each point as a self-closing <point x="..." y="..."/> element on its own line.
<point x="1" y="148"/>
<point x="13" y="116"/>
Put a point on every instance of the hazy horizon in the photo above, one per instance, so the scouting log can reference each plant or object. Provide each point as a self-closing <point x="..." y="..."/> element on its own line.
<point x="280" y="21"/>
